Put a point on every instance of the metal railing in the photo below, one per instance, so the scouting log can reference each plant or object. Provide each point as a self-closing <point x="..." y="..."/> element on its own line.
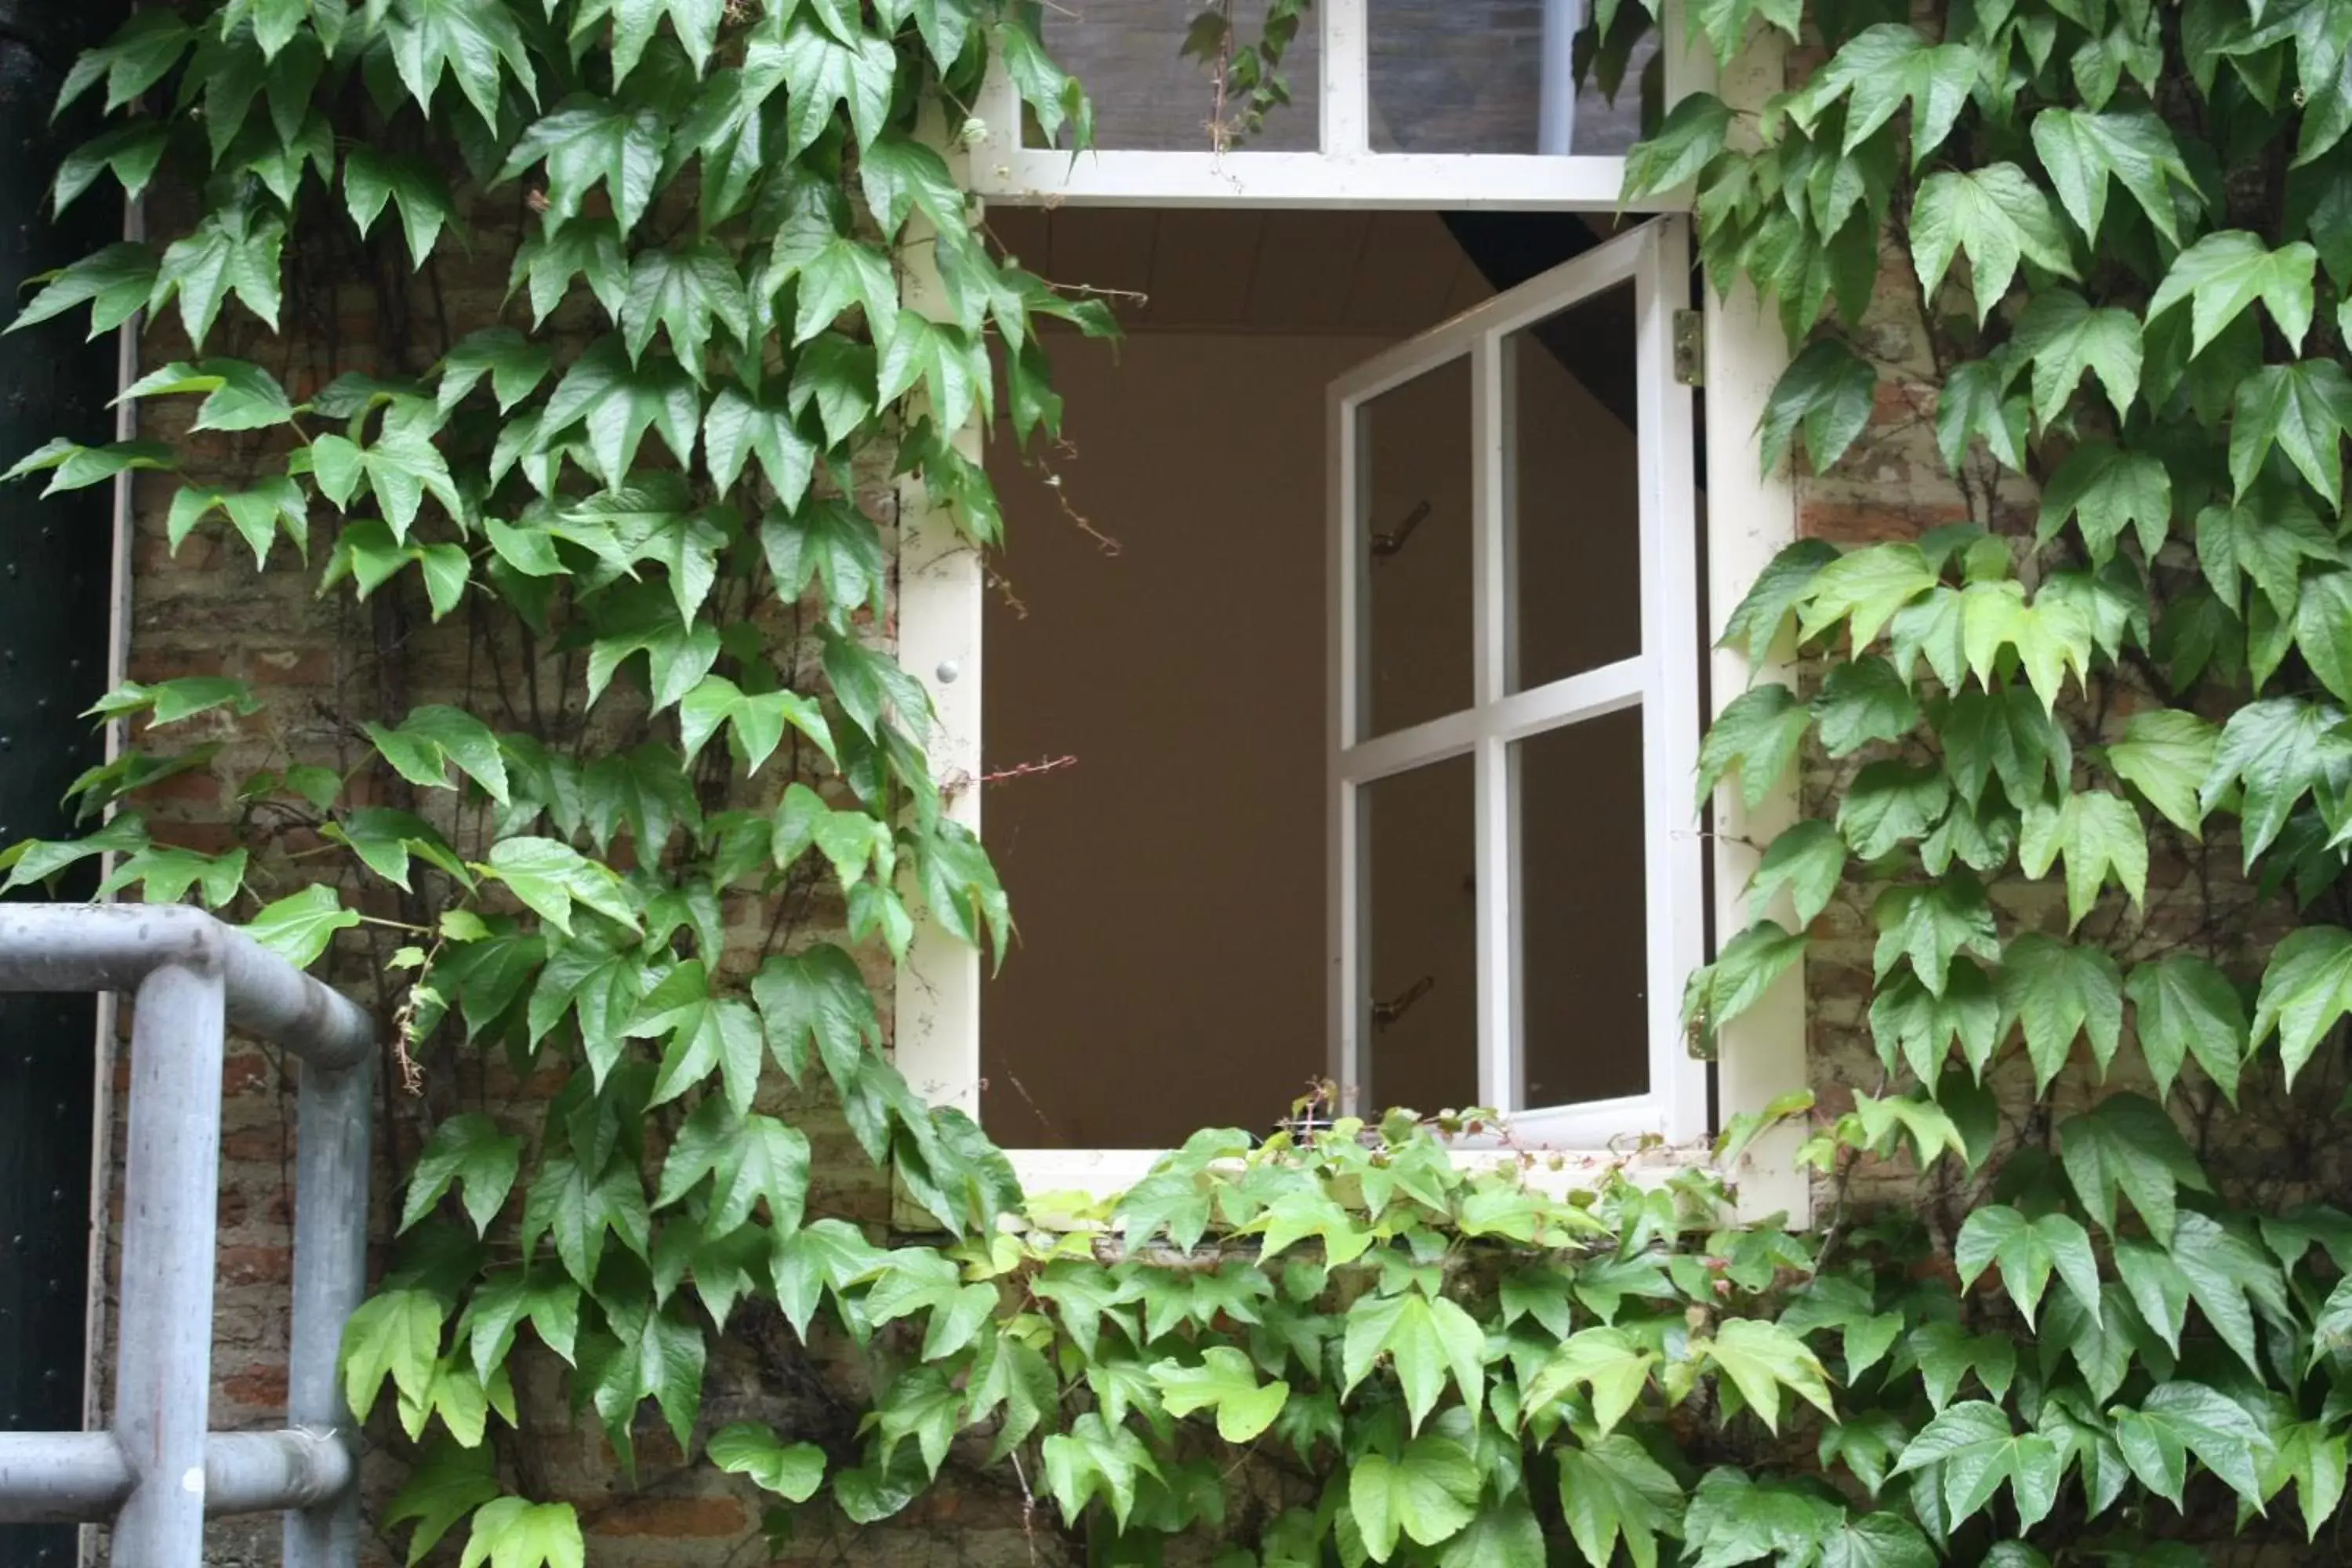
<point x="157" y="1472"/>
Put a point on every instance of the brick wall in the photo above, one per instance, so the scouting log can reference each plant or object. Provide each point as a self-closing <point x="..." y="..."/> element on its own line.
<point x="323" y="664"/>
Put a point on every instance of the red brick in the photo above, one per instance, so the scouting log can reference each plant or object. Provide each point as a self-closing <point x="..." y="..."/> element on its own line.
<point x="675" y="1519"/>
<point x="255" y="1266"/>
<point x="257" y="1143"/>
<point x="1869" y="523"/>
<point x="257" y="1386"/>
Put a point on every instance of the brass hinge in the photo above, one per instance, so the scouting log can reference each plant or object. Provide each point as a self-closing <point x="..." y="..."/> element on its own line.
<point x="1690" y="348"/>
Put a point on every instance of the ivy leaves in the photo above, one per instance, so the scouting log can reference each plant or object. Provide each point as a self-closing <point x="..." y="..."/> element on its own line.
<point x="1996" y="216"/>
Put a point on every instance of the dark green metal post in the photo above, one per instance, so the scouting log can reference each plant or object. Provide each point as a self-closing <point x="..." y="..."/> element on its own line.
<point x="56" y="578"/>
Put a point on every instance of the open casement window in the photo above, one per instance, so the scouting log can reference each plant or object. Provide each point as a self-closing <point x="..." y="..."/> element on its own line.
<point x="1502" y="104"/>
<point x="1516" y="876"/>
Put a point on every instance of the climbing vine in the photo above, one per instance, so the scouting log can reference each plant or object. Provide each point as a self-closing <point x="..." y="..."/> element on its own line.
<point x="2081" y="761"/>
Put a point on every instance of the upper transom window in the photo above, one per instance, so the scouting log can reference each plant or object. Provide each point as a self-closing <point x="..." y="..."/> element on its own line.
<point x="1516" y="103"/>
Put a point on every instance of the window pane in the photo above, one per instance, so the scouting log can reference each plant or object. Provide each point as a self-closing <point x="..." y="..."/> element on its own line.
<point x="1413" y="532"/>
<point x="1420" y="939"/>
<point x="1470" y="76"/>
<point x="1573" y="507"/>
<point x="1152" y="96"/>
<point x="1583" y="965"/>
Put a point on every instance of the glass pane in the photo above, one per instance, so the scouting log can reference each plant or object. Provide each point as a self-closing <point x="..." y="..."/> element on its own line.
<point x="1152" y="95"/>
<point x="1413" y="528"/>
<point x="1508" y="76"/>
<point x="1420" y="936"/>
<point x="1583" y="960"/>
<point x="1573" y="502"/>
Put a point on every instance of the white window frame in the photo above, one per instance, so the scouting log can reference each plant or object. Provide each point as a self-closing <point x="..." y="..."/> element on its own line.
<point x="1662" y="679"/>
<point x="1750" y="516"/>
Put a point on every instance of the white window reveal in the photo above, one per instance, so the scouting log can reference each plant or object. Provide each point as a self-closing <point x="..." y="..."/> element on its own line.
<point x="1516" y="886"/>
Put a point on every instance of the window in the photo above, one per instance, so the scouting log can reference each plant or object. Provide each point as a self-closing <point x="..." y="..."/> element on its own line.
<point x="1393" y="103"/>
<point x="1516" y="886"/>
<point x="1496" y="729"/>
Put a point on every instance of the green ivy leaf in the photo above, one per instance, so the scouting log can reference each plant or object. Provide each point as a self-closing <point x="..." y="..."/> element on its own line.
<point x="1606" y="1362"/>
<point x="1976" y="1453"/>
<point x="706" y="1033"/>
<point x="1762" y="1358"/>
<point x="1777" y="590"/>
<point x="2180" y="1418"/>
<point x="2223" y="273"/>
<point x="2306" y="990"/>
<point x="1426" y="1493"/>
<point x="1427" y="1340"/>
<point x="2276" y="752"/>
<point x="1827" y="394"/>
<point x="2027" y="1251"/>
<point x="2082" y="151"/>
<point x="2100" y="836"/>
<point x="1926" y="926"/>
<point x="1225" y="1383"/>
<point x="1614" y="1490"/>
<point x="1880" y="68"/>
<point x="579" y="1207"/>
<point x="2182" y="1007"/>
<point x="1757" y="734"/>
<point x="1689" y="138"/>
<point x="2108" y="491"/>
<point x="2063" y="337"/>
<point x="1996" y="216"/>
<point x="447" y="1483"/>
<point x="793" y="1471"/>
<point x="1975" y="403"/>
<point x="683" y="292"/>
<point x="1918" y="1027"/>
<point x="395" y="1334"/>
<point x="1738" y="978"/>
<point x="1864" y="701"/>
<point x="470" y="1150"/>
<point x="372" y="179"/>
<point x="1506" y="1536"/>
<point x="2127" y="1144"/>
<point x="823" y="71"/>
<point x="1889" y="801"/>
<point x="300" y="927"/>
<point x="751" y="1158"/>
<point x="1808" y="860"/>
<point x="233" y="250"/>
<point x="469" y="40"/>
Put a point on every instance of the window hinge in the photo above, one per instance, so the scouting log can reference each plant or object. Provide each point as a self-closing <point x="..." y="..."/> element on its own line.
<point x="1690" y="348"/>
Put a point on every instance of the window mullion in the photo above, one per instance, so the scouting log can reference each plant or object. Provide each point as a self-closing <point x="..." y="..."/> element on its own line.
<point x="1347" y="84"/>
<point x="1495" y="840"/>
<point x="1670" y="647"/>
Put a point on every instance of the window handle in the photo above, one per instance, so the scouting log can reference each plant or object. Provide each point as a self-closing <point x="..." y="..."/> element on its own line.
<point x="1389" y="1012"/>
<point x="1387" y="545"/>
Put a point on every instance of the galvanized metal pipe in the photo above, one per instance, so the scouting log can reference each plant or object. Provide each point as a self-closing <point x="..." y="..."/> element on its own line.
<point x="111" y="947"/>
<point x="74" y="1477"/>
<point x="162" y="1367"/>
<point x="330" y="1205"/>
<point x="1556" y="106"/>
<point x="157" y="1472"/>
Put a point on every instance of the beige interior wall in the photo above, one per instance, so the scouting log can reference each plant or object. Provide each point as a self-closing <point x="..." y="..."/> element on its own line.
<point x="1170" y="883"/>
